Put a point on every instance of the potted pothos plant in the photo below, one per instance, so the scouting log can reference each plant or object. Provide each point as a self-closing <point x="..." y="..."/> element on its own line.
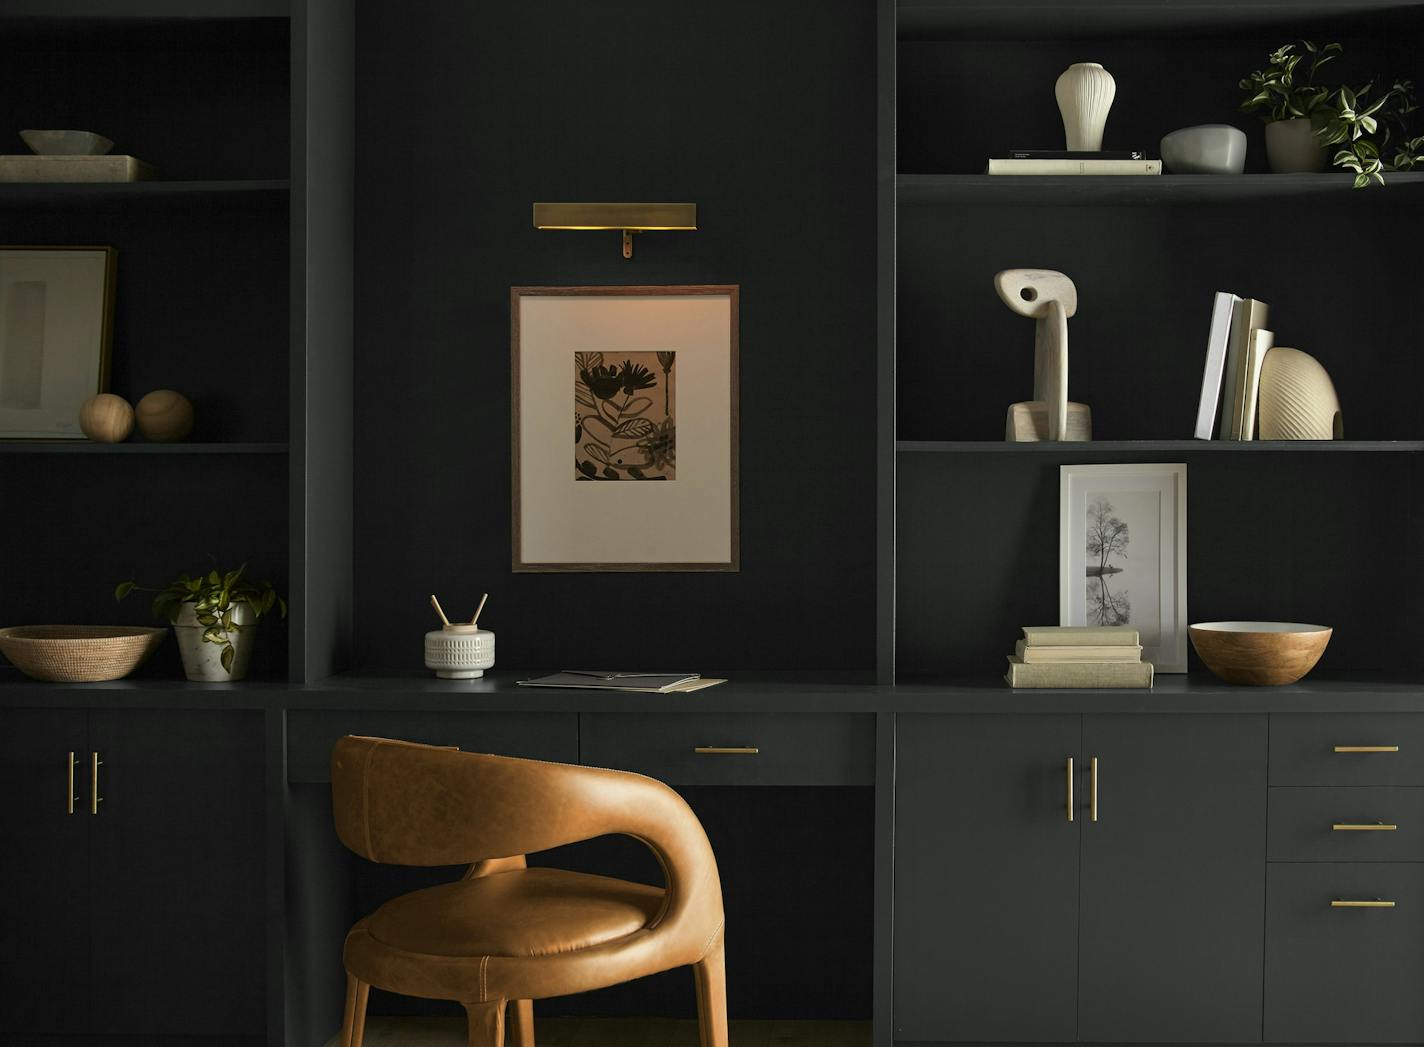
<point x="1286" y="96"/>
<point x="214" y="617"/>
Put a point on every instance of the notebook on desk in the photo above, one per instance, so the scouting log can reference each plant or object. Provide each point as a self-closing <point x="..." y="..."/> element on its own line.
<point x="647" y="683"/>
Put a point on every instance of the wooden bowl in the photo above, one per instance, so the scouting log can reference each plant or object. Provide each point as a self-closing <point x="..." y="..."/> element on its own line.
<point x="1260" y="653"/>
<point x="79" y="653"/>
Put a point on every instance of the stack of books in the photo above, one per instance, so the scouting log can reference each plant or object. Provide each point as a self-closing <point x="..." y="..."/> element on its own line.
<point x="1067" y="162"/>
<point x="1078" y="656"/>
<point x="1236" y="346"/>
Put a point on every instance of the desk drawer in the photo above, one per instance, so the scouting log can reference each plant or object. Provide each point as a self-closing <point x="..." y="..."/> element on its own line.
<point x="1344" y="975"/>
<point x="1344" y="825"/>
<point x="1304" y="749"/>
<point x="540" y="736"/>
<point x="791" y="748"/>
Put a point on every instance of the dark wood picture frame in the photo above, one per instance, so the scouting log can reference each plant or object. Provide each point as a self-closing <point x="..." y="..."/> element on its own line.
<point x="729" y="291"/>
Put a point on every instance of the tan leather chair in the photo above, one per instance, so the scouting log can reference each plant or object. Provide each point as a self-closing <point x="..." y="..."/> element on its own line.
<point x="505" y="933"/>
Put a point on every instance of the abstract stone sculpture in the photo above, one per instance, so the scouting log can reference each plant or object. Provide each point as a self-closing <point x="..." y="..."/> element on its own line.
<point x="1050" y="298"/>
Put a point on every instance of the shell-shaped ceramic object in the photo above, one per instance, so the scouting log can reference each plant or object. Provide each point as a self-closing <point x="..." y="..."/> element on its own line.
<point x="1298" y="400"/>
<point x="459" y="652"/>
<point x="1085" y="93"/>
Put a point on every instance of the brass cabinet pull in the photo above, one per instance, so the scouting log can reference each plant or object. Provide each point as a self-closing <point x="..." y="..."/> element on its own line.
<point x="1363" y="827"/>
<point x="726" y="750"/>
<point x="1360" y="903"/>
<point x="72" y="796"/>
<point x="94" y="798"/>
<point x="1367" y="748"/>
<point x="1070" y="788"/>
<point x="1093" y="792"/>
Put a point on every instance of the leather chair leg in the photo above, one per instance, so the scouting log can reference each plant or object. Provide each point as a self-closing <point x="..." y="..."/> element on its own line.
<point x="353" y="1023"/>
<point x="711" y="975"/>
<point x="486" y="1023"/>
<point x="521" y="1023"/>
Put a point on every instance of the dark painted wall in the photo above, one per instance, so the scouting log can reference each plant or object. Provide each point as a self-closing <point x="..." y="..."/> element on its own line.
<point x="761" y="113"/>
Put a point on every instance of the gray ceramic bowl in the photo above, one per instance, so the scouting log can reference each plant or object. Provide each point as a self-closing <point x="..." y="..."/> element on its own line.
<point x="67" y="143"/>
<point x="1206" y="149"/>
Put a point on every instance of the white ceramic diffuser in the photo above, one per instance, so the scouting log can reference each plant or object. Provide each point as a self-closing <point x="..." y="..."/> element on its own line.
<point x="459" y="650"/>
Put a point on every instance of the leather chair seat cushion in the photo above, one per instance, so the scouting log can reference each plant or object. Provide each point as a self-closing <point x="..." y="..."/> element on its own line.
<point x="525" y="912"/>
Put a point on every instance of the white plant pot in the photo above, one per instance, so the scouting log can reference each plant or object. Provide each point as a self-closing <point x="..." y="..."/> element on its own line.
<point x="1292" y="148"/>
<point x="1085" y="93"/>
<point x="202" y="661"/>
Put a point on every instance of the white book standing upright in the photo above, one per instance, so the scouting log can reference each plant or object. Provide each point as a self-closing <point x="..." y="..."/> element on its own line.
<point x="1216" y="346"/>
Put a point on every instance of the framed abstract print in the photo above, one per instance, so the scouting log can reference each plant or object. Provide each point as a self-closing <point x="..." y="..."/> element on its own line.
<point x="624" y="428"/>
<point x="1122" y="556"/>
<point x="56" y="319"/>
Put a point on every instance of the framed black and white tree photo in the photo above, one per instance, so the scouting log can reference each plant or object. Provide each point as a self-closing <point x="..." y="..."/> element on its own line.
<point x="1123" y="554"/>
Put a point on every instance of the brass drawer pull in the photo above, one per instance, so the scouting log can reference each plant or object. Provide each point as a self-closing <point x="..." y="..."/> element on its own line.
<point x="1070" y="788"/>
<point x="1093" y="792"/>
<point x="73" y="797"/>
<point x="94" y="798"/>
<point x="1360" y="903"/>
<point x="726" y="750"/>
<point x="1364" y="827"/>
<point x="1367" y="748"/>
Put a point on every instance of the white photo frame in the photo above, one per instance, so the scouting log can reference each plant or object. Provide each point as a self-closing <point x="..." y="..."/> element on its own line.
<point x="614" y="387"/>
<point x="56" y="321"/>
<point x="1122" y="557"/>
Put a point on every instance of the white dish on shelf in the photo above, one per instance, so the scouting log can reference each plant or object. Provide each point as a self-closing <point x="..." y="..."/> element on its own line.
<point x="66" y="143"/>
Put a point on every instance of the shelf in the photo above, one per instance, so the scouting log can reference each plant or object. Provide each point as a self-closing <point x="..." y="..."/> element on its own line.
<point x="1156" y="446"/>
<point x="147" y="10"/>
<point x="937" y="19"/>
<point x="1401" y="187"/>
<point x="49" y="194"/>
<point x="86" y="447"/>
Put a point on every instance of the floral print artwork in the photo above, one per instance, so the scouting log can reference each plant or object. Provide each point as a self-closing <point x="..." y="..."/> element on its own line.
<point x="625" y="408"/>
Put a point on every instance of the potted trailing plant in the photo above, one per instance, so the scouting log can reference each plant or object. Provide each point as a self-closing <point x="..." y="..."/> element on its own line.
<point x="1369" y="124"/>
<point x="1287" y="98"/>
<point x="214" y="617"/>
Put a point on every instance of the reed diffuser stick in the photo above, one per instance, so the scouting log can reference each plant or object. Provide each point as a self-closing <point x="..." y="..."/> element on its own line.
<point x="438" y="609"/>
<point x="481" y="607"/>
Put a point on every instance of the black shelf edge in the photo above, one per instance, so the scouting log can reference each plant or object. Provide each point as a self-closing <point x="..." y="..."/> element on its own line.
<point x="1172" y="446"/>
<point x="148" y="10"/>
<point x="1402" y="187"/>
<point x="86" y="447"/>
<point x="33" y="193"/>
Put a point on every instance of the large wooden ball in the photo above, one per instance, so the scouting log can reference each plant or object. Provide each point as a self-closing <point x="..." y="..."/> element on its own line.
<point x="106" y="418"/>
<point x="164" y="416"/>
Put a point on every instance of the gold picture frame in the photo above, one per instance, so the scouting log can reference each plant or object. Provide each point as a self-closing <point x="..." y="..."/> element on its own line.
<point x="641" y="376"/>
<point x="56" y="335"/>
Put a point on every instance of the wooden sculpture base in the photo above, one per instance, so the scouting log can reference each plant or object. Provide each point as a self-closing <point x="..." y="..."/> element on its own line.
<point x="1028" y="422"/>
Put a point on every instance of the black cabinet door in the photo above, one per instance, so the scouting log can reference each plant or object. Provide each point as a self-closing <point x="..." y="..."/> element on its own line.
<point x="986" y="879"/>
<point x="177" y="886"/>
<point x="44" y="873"/>
<point x="1174" y="880"/>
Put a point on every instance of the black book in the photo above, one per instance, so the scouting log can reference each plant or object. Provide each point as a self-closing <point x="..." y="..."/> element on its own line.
<point x="1071" y="154"/>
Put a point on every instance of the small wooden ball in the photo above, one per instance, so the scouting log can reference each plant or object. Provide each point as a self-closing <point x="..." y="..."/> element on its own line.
<point x="106" y="418"/>
<point x="164" y="416"/>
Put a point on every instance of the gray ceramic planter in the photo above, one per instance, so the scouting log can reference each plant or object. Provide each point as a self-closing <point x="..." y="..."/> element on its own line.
<point x="1291" y="147"/>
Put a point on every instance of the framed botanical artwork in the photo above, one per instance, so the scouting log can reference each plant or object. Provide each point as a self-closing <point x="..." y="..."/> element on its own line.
<point x="625" y="428"/>
<point x="1122" y="556"/>
<point x="56" y="319"/>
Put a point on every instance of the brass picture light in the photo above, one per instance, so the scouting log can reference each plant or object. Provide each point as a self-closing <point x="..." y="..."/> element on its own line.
<point x="630" y="218"/>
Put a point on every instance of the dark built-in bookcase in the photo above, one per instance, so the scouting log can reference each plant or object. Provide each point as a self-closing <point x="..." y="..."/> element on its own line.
<point x="1324" y="532"/>
<point x="233" y="287"/>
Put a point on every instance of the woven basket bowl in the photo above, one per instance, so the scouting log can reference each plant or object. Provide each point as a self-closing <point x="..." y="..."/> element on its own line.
<point x="79" y="653"/>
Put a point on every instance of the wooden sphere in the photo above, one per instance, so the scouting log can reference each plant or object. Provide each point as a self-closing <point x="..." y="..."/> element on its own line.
<point x="164" y="416"/>
<point x="106" y="418"/>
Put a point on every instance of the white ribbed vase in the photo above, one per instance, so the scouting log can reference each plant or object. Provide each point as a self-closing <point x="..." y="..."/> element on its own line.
<point x="459" y="652"/>
<point x="1085" y="93"/>
<point x="1298" y="400"/>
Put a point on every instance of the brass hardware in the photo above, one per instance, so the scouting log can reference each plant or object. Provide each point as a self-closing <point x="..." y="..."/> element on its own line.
<point x="1361" y="827"/>
<point x="1070" y="788"/>
<point x="1360" y="903"/>
<point x="1093" y="792"/>
<point x="1367" y="748"/>
<point x="94" y="798"/>
<point x="73" y="797"/>
<point x="629" y="218"/>
<point x="727" y="750"/>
